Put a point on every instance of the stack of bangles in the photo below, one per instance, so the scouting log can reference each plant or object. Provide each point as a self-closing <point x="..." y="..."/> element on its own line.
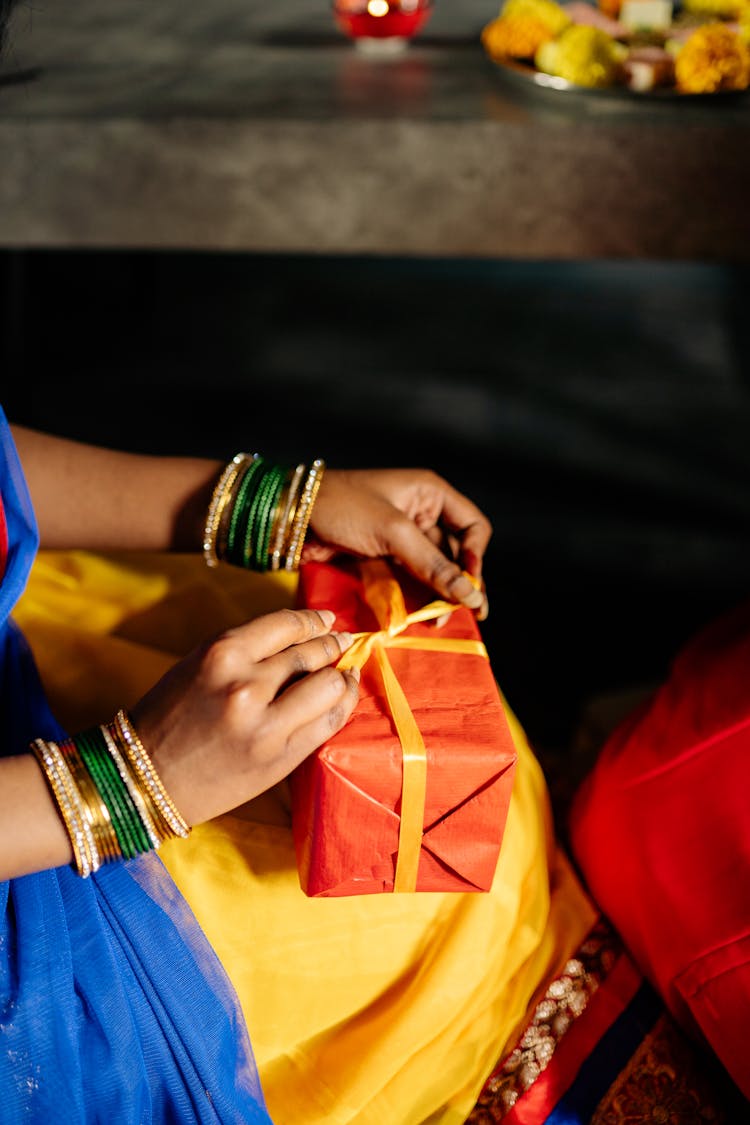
<point x="109" y="794"/>
<point x="259" y="513"/>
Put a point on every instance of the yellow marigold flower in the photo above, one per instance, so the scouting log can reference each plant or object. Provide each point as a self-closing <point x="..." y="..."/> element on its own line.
<point x="583" y="55"/>
<point x="717" y="9"/>
<point x="514" y="37"/>
<point x="547" y="12"/>
<point x="713" y="58"/>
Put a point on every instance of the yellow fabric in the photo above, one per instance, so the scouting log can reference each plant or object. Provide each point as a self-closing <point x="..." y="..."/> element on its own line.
<point x="384" y="1008"/>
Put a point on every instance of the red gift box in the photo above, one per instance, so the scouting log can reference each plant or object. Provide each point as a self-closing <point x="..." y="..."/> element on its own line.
<point x="413" y="793"/>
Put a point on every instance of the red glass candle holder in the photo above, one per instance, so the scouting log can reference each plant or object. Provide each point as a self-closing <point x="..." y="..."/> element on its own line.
<point x="387" y="21"/>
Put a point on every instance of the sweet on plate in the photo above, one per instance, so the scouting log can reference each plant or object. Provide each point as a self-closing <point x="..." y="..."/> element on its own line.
<point x="642" y="49"/>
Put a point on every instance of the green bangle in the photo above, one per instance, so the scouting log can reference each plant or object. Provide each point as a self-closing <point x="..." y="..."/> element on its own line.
<point x="249" y="520"/>
<point x="251" y="523"/>
<point x="247" y="485"/>
<point x="263" y="559"/>
<point x="270" y="500"/>
<point x="97" y="767"/>
<point x="256" y="516"/>
<point x="246" y="523"/>
<point x="126" y="820"/>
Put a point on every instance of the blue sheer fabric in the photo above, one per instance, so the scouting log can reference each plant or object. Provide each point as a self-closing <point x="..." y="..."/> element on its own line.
<point x="113" y="1006"/>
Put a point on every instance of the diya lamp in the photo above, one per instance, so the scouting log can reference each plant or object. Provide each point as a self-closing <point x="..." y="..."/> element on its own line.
<point x="381" y="26"/>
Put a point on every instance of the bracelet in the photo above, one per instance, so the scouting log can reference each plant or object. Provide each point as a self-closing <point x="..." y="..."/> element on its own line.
<point x="284" y="516"/>
<point x="131" y="835"/>
<point x="259" y="519"/>
<point x="70" y="805"/>
<point x="303" y="514"/>
<point x="96" y="810"/>
<point x="172" y="823"/>
<point x="218" y="503"/>
<point x="260" y="513"/>
<point x="135" y="794"/>
<point x="237" y="508"/>
<point x="108" y="793"/>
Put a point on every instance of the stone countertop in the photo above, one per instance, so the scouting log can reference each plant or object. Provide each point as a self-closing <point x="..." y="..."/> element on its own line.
<point x="251" y="126"/>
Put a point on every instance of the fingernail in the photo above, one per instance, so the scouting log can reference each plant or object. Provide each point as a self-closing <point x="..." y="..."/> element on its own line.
<point x="484" y="612"/>
<point x="461" y="586"/>
<point x="355" y="673"/>
<point x="465" y="593"/>
<point x="327" y="616"/>
<point x="344" y="640"/>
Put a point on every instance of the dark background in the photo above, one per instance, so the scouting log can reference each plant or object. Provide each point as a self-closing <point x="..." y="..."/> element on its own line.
<point x="598" y="412"/>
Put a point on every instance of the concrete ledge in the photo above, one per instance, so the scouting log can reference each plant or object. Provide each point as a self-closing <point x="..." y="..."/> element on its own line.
<point x="430" y="155"/>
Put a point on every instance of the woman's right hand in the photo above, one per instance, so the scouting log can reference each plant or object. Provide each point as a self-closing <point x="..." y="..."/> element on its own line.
<point x="242" y="711"/>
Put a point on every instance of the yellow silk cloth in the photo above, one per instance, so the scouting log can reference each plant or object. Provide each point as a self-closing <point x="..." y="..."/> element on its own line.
<point x="371" y="1010"/>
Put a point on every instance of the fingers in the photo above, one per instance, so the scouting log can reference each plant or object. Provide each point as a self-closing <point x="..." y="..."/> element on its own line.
<point x="313" y="709"/>
<point x="471" y="526"/>
<point x="454" y="544"/>
<point x="407" y="543"/>
<point x="232" y="653"/>
<point x="310" y="656"/>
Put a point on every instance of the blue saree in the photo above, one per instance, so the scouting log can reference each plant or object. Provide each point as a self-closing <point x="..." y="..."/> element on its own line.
<point x="113" y="1006"/>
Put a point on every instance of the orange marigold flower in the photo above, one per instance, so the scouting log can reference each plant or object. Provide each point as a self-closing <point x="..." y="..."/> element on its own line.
<point x="514" y="37"/>
<point x="713" y="58"/>
<point x="610" y="8"/>
<point x="548" y="12"/>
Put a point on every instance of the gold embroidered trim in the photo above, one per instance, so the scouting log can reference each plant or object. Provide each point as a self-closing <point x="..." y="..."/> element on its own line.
<point x="667" y="1082"/>
<point x="563" y="1002"/>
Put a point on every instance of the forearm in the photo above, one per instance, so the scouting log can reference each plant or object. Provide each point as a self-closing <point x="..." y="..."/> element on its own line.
<point x="100" y="499"/>
<point x="32" y="834"/>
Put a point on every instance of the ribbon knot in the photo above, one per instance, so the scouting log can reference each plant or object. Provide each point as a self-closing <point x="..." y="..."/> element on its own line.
<point x="383" y="595"/>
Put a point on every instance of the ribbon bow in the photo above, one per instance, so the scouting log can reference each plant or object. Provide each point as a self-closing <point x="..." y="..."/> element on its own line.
<point x="383" y="595"/>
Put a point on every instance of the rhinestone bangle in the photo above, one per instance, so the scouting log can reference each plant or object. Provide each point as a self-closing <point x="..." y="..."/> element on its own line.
<point x="219" y="500"/>
<point x="148" y="778"/>
<point x="135" y="793"/>
<point x="303" y="515"/>
<point x="70" y="805"/>
<point x="285" y="518"/>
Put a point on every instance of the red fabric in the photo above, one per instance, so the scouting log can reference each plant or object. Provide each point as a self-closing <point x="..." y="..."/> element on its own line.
<point x="345" y="798"/>
<point x="661" y="831"/>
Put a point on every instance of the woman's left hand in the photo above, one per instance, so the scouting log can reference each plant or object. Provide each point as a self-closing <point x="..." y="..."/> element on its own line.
<point x="411" y="515"/>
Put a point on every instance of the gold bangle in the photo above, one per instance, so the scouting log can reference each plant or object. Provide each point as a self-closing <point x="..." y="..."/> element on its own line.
<point x="148" y="778"/>
<point x="303" y="514"/>
<point x="70" y="805"/>
<point x="282" y="531"/>
<point x="94" y="806"/>
<point x="218" y="504"/>
<point x="91" y="856"/>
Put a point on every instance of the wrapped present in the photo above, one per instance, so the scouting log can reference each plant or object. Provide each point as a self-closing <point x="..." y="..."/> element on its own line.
<point x="413" y="793"/>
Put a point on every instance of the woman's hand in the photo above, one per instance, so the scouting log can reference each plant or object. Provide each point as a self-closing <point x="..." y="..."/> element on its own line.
<point x="242" y="711"/>
<point x="412" y="515"/>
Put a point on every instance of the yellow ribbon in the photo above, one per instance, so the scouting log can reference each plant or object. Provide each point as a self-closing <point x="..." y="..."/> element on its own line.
<point x="384" y="597"/>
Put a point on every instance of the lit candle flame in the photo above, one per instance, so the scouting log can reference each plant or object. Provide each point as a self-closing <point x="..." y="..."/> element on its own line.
<point x="378" y="7"/>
